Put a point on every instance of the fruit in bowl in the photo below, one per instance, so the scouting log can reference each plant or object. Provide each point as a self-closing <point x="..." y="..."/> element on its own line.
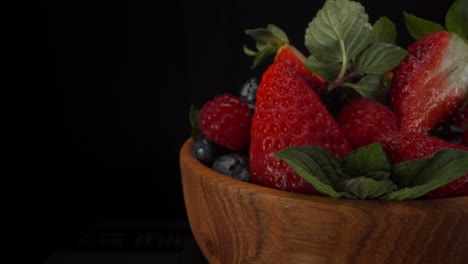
<point x="332" y="149"/>
<point x="234" y="221"/>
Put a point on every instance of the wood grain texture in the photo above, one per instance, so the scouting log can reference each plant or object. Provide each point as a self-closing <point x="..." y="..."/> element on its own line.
<point x="238" y="222"/>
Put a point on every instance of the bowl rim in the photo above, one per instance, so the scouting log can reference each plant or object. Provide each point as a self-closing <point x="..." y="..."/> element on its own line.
<point x="186" y="157"/>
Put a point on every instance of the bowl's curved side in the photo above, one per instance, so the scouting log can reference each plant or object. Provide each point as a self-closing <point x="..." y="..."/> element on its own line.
<point x="238" y="222"/>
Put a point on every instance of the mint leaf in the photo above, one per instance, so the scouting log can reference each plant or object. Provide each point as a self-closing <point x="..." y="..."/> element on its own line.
<point x="416" y="172"/>
<point x="367" y="160"/>
<point x="367" y="188"/>
<point x="371" y="85"/>
<point x="420" y="176"/>
<point x="193" y="118"/>
<point x="379" y="58"/>
<point x="327" y="70"/>
<point x="378" y="175"/>
<point x="419" y="27"/>
<point x="316" y="165"/>
<point x="338" y="33"/>
<point x="456" y="19"/>
<point x="384" y="31"/>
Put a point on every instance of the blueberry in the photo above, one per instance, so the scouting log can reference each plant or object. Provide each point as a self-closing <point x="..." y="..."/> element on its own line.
<point x="206" y="151"/>
<point x="249" y="90"/>
<point x="448" y="132"/>
<point x="234" y="165"/>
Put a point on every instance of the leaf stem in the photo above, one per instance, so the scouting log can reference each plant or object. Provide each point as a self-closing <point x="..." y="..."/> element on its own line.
<point x="350" y="85"/>
<point x="343" y="80"/>
<point x="344" y="64"/>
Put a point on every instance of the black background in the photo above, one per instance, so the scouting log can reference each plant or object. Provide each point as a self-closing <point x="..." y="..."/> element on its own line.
<point x="101" y="130"/>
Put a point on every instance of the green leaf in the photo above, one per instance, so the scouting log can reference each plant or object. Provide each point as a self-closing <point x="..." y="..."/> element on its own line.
<point x="420" y="176"/>
<point x="378" y="175"/>
<point x="384" y="31"/>
<point x="278" y="33"/>
<point x="418" y="171"/>
<point x="370" y="85"/>
<point x="367" y="188"/>
<point x="366" y="160"/>
<point x="272" y="36"/>
<point x="338" y="33"/>
<point x="456" y="19"/>
<point x="317" y="166"/>
<point x="327" y="70"/>
<point x="419" y="27"/>
<point x="267" y="41"/>
<point x="262" y="55"/>
<point x="380" y="58"/>
<point x="193" y="118"/>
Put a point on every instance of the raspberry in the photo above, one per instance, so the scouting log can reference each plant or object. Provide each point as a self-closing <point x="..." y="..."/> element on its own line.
<point x="226" y="121"/>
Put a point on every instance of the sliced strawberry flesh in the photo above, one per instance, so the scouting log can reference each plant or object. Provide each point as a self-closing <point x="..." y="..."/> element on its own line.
<point x="429" y="86"/>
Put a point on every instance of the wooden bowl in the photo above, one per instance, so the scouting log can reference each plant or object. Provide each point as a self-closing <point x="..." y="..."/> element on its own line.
<point x="238" y="222"/>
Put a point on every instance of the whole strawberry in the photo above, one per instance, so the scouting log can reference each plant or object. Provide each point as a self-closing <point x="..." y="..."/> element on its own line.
<point x="226" y="120"/>
<point x="402" y="146"/>
<point x="431" y="83"/>
<point x="362" y="119"/>
<point x="295" y="59"/>
<point x="288" y="113"/>
<point x="273" y="40"/>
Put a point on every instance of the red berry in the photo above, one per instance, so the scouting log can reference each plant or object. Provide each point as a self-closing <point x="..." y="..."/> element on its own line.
<point x="226" y="120"/>
<point x="430" y="84"/>
<point x="295" y="59"/>
<point x="402" y="146"/>
<point x="288" y="112"/>
<point x="362" y="119"/>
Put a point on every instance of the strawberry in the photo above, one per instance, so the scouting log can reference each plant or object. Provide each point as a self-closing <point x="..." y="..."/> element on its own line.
<point x="288" y="113"/>
<point x="272" y="40"/>
<point x="294" y="58"/>
<point x="402" y="146"/>
<point x="362" y="119"/>
<point x="226" y="120"/>
<point x="431" y="83"/>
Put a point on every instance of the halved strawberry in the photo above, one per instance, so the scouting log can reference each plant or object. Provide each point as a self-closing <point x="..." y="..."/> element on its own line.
<point x="288" y="113"/>
<point x="402" y="146"/>
<point x="431" y="83"/>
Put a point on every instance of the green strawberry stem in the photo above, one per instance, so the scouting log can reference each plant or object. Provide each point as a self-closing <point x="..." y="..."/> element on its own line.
<point x="267" y="40"/>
